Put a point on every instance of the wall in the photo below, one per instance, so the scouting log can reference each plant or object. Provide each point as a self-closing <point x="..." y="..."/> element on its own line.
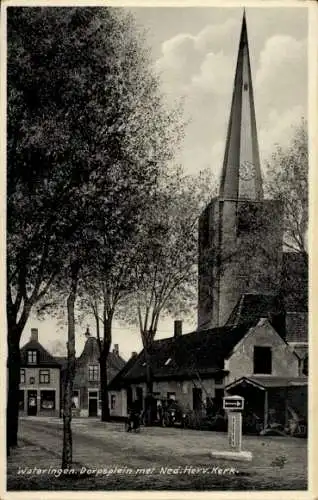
<point x="120" y="409"/>
<point x="53" y="385"/>
<point x="183" y="390"/>
<point x="250" y="259"/>
<point x="240" y="363"/>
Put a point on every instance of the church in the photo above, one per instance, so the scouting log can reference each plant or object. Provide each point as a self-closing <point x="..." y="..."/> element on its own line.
<point x="252" y="335"/>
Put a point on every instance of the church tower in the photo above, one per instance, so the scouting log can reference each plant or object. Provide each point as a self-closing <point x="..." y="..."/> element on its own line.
<point x="240" y="232"/>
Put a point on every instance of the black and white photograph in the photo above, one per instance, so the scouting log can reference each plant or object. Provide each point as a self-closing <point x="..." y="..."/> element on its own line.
<point x="157" y="163"/>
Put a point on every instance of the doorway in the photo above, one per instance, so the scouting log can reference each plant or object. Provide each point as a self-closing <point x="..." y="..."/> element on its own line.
<point x="129" y="399"/>
<point x="32" y="403"/>
<point x="197" y="399"/>
<point x="92" y="403"/>
<point x="139" y="398"/>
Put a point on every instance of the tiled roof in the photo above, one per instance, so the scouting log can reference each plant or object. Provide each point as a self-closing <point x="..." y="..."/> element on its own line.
<point x="89" y="355"/>
<point x="44" y="357"/>
<point x="118" y="381"/>
<point x="201" y="352"/>
<point x="91" y="351"/>
<point x="270" y="381"/>
<point x="297" y="326"/>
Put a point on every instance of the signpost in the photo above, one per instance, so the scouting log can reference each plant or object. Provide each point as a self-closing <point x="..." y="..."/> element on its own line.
<point x="234" y="405"/>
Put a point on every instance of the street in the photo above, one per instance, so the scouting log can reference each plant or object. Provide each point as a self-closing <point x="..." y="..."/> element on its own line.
<point x="162" y="458"/>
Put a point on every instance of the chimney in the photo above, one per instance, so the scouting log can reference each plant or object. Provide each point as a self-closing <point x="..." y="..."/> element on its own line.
<point x="178" y="328"/>
<point x="34" y="335"/>
<point x="116" y="349"/>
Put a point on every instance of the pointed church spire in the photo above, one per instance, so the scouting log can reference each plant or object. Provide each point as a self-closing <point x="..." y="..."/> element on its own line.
<point x="241" y="174"/>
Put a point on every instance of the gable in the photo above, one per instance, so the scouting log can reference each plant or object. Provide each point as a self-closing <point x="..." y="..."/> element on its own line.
<point x="44" y="357"/>
<point x="264" y="333"/>
<point x="284" y="362"/>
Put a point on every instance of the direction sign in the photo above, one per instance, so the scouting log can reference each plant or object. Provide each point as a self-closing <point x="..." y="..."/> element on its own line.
<point x="233" y="403"/>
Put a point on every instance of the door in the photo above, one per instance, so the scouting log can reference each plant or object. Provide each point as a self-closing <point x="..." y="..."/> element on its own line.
<point x="129" y="398"/>
<point x="197" y="399"/>
<point x="32" y="403"/>
<point x="139" y="398"/>
<point x="92" y="403"/>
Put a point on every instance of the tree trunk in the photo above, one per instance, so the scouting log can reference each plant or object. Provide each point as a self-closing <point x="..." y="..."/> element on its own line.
<point x="149" y="389"/>
<point x="67" y="457"/>
<point x="105" y="417"/>
<point x="13" y="387"/>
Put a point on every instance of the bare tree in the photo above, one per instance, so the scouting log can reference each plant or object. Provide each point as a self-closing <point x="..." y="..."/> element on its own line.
<point x="165" y="259"/>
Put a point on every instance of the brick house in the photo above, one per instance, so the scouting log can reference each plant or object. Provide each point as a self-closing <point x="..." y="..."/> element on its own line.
<point x="86" y="391"/>
<point x="39" y="391"/>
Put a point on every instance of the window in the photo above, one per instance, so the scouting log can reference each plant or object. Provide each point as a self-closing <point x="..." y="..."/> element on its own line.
<point x="112" y="401"/>
<point x="305" y="366"/>
<point x="262" y="360"/>
<point x="21" y="399"/>
<point x="75" y="399"/>
<point x="22" y="376"/>
<point x="44" y="376"/>
<point x="93" y="373"/>
<point x="32" y="357"/>
<point x="48" y="400"/>
<point x="171" y="395"/>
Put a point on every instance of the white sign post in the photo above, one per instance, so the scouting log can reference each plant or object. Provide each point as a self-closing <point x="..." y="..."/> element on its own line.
<point x="234" y="405"/>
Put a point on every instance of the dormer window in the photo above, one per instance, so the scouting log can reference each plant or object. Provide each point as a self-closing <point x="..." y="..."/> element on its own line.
<point x="93" y="373"/>
<point x="168" y="361"/>
<point x="32" y="357"/>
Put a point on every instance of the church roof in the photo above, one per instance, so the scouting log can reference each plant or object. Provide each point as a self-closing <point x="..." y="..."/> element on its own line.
<point x="241" y="174"/>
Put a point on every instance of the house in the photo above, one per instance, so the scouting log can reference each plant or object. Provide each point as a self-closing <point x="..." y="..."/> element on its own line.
<point x="40" y="386"/>
<point x="199" y="368"/>
<point x="86" y="390"/>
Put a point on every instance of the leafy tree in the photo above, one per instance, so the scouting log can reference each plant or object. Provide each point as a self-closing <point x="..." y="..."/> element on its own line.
<point x="86" y="136"/>
<point x="287" y="180"/>
<point x="105" y="287"/>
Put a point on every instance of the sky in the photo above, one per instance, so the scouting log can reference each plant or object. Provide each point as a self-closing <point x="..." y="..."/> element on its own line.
<point x="194" y="51"/>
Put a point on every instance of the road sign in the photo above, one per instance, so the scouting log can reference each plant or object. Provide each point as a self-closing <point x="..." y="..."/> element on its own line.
<point x="233" y="403"/>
